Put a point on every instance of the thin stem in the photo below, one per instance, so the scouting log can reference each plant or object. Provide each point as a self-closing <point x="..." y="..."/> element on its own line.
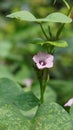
<point x="59" y="31"/>
<point x="62" y="26"/>
<point x="50" y="33"/>
<point x="46" y="79"/>
<point x="41" y="88"/>
<point x="42" y="95"/>
<point x="43" y="83"/>
<point x="44" y="31"/>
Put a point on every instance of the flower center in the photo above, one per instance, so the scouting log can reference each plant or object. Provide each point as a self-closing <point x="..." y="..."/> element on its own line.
<point x="42" y="62"/>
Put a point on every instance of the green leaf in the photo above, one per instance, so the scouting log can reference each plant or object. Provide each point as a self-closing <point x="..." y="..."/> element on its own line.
<point x="58" y="17"/>
<point x="57" y="43"/>
<point x="8" y="89"/>
<point x="11" y="93"/>
<point x="51" y="117"/>
<point x="23" y="15"/>
<point x="54" y="17"/>
<point x="26" y="101"/>
<point x="40" y="41"/>
<point x="12" y="119"/>
<point x="71" y="113"/>
<point x="31" y="113"/>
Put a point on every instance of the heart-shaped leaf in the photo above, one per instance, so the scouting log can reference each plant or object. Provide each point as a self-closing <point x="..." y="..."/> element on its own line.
<point x="12" y="119"/>
<point x="27" y="16"/>
<point x="51" y="117"/>
<point x="26" y="101"/>
<point x="11" y="93"/>
<point x="71" y="113"/>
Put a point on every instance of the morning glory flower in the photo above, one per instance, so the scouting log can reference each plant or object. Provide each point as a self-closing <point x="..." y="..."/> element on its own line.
<point x="43" y="60"/>
<point x="69" y="103"/>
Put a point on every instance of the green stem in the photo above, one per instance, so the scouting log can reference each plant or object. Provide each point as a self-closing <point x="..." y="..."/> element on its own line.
<point x="42" y="95"/>
<point x="45" y="79"/>
<point x="43" y="84"/>
<point x="41" y="88"/>
<point x="62" y="26"/>
<point x="44" y="31"/>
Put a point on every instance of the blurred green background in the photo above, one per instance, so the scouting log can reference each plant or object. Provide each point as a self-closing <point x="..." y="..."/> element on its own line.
<point x="16" y="53"/>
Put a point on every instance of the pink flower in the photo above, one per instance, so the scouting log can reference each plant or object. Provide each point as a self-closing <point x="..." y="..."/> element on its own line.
<point x="43" y="60"/>
<point x="69" y="103"/>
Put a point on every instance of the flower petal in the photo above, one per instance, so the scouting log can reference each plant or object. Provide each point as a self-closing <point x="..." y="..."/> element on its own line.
<point x="44" y="57"/>
<point x="69" y="103"/>
<point x="49" y="65"/>
<point x="35" y="58"/>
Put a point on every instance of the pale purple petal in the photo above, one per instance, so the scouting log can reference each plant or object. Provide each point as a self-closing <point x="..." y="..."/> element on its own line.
<point x="35" y="58"/>
<point x="50" y="58"/>
<point x="49" y="65"/>
<point x="39" y="56"/>
<point x="69" y="103"/>
<point x="43" y="60"/>
<point x="42" y="56"/>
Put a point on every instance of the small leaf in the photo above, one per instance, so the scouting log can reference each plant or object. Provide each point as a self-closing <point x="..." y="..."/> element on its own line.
<point x="12" y="119"/>
<point x="40" y="41"/>
<point x="58" y="17"/>
<point x="51" y="117"/>
<point x="27" y="16"/>
<point x="23" y="15"/>
<point x="57" y="43"/>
